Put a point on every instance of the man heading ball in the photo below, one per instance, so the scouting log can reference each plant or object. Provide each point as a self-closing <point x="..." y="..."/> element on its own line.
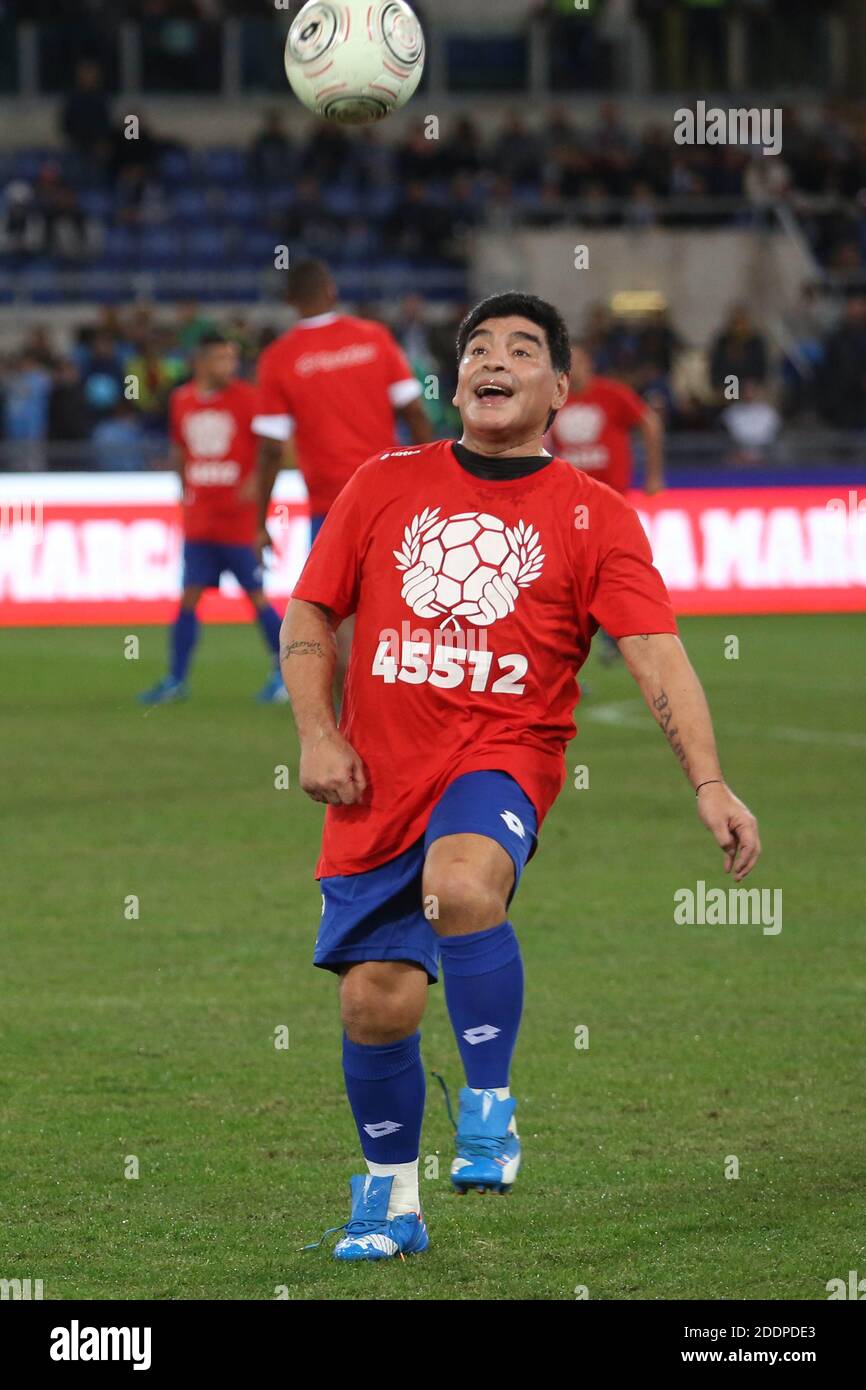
<point x="478" y="573"/>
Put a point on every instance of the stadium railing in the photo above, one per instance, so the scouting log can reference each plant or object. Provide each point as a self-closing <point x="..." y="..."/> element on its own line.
<point x="578" y="53"/>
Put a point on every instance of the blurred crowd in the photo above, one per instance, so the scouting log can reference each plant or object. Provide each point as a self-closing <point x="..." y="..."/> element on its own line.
<point x="361" y="197"/>
<point x="100" y="401"/>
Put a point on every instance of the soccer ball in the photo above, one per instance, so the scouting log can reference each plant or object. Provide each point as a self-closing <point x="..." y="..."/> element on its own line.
<point x="355" y="61"/>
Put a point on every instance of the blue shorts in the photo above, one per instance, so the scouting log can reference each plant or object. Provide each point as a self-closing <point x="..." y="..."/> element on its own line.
<point x="379" y="915"/>
<point x="205" y="561"/>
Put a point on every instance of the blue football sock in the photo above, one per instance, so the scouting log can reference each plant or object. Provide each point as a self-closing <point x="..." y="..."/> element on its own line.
<point x="386" y="1089"/>
<point x="484" y="995"/>
<point x="184" y="635"/>
<point x="268" y="620"/>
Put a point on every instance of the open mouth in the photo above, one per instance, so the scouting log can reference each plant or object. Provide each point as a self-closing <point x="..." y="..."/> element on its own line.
<point x="492" y="390"/>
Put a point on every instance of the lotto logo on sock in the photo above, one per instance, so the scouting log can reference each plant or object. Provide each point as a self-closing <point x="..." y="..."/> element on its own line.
<point x="485" y="1033"/>
<point x="383" y="1127"/>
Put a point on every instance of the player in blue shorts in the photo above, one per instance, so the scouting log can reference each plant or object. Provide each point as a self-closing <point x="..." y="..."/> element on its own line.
<point x="478" y="572"/>
<point x="214" y="451"/>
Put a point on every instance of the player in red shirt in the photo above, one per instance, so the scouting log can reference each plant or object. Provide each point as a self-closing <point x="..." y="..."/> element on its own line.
<point x="593" y="431"/>
<point x="331" y="391"/>
<point x="478" y="572"/>
<point x="593" y="428"/>
<point x="214" y="450"/>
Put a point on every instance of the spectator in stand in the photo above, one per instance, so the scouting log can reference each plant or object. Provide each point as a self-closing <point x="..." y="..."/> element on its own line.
<point x="85" y="117"/>
<point x="766" y="182"/>
<point x="613" y="151"/>
<point x="38" y="345"/>
<point x="417" y="157"/>
<point x="657" y="345"/>
<point x="327" y="155"/>
<point x="517" y="152"/>
<point x="191" y="326"/>
<point x="102" y="376"/>
<point x="596" y="336"/>
<point x="461" y="151"/>
<point x="70" y="419"/>
<point x="558" y="133"/>
<point x="420" y="228"/>
<point x="120" y="442"/>
<point x="270" y="158"/>
<point x="26" y="388"/>
<point x="157" y="369"/>
<point x="66" y="231"/>
<point x="738" y="351"/>
<point x="753" y="425"/>
<point x="571" y="168"/>
<point x="642" y="209"/>
<point x="22" y="228"/>
<point x="842" y="377"/>
<point x="307" y="223"/>
<point x="653" y="160"/>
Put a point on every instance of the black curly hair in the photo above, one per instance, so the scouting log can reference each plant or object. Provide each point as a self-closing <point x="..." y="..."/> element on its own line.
<point x="515" y="304"/>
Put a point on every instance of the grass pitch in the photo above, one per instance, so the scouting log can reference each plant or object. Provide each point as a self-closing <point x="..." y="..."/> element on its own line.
<point x="147" y="1043"/>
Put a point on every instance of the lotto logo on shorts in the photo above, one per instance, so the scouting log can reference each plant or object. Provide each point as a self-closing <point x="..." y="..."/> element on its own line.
<point x="484" y="1033"/>
<point x="514" y="823"/>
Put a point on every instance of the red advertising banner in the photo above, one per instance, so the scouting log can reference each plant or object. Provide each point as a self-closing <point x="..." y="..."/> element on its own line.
<point x="106" y="548"/>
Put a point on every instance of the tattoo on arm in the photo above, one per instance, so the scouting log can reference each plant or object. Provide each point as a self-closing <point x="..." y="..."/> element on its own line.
<point x="301" y="649"/>
<point x="664" y="715"/>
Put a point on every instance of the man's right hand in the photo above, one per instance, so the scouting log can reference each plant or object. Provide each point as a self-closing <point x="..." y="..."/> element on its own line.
<point x="331" y="770"/>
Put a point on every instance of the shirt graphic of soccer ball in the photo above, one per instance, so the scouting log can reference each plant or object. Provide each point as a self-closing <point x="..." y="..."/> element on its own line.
<point x="470" y="566"/>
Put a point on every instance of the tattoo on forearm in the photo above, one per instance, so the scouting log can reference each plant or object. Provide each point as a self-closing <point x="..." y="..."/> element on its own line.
<point x="664" y="715"/>
<point x="301" y="649"/>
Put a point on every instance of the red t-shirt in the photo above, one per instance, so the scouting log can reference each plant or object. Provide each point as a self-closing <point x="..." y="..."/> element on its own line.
<point x="519" y="573"/>
<point x="214" y="430"/>
<point x="592" y="430"/>
<point x="334" y="383"/>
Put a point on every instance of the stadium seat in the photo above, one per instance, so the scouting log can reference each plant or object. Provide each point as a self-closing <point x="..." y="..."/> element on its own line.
<point x="157" y="248"/>
<point x="120" y="248"/>
<point x="175" y="167"/>
<point x="205" y="247"/>
<point x="244" y="205"/>
<point x="221" y="165"/>
<point x="189" y="205"/>
<point x="341" y="201"/>
<point x="278" y="199"/>
<point x="96" y="202"/>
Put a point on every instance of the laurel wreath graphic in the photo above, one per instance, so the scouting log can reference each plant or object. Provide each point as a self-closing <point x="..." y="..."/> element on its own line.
<point x="519" y="569"/>
<point x="407" y="556"/>
<point x="526" y="544"/>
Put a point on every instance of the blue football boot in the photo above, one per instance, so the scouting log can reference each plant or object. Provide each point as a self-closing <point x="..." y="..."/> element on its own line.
<point x="165" y="692"/>
<point x="369" y="1233"/>
<point x="273" y="692"/>
<point x="488" y="1149"/>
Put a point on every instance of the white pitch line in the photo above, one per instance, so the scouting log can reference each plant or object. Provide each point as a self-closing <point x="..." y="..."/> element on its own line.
<point x="631" y="714"/>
